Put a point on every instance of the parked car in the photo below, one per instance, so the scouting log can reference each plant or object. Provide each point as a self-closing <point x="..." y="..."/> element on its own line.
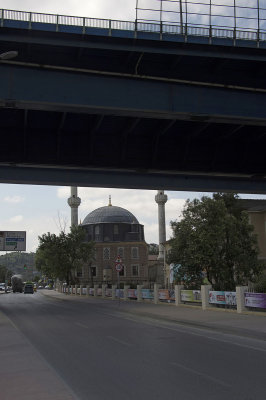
<point x="2" y="287"/>
<point x="28" y="288"/>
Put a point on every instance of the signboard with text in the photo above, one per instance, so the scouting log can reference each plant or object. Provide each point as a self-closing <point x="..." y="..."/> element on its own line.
<point x="191" y="296"/>
<point x="147" y="294"/>
<point x="12" y="241"/>
<point x="256" y="300"/>
<point x="222" y="297"/>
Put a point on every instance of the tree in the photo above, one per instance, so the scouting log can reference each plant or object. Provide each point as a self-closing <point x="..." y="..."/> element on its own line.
<point x="5" y="274"/>
<point x="153" y="248"/>
<point x="59" y="256"/>
<point x="215" y="239"/>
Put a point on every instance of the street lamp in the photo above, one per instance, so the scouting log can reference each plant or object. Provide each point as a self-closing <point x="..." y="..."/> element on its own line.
<point x="8" y="55"/>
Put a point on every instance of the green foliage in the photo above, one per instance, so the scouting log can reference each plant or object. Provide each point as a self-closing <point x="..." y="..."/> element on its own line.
<point x="15" y="261"/>
<point x="153" y="248"/>
<point x="5" y="274"/>
<point x="59" y="256"/>
<point x="214" y="240"/>
<point x="260" y="282"/>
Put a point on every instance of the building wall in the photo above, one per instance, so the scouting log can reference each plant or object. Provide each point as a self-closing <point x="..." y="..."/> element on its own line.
<point x="134" y="257"/>
<point x="258" y="220"/>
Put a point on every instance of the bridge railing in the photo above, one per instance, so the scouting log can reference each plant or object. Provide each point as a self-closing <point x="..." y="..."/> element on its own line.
<point x="31" y="20"/>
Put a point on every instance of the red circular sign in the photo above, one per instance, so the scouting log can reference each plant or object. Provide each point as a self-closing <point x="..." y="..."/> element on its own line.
<point x="119" y="267"/>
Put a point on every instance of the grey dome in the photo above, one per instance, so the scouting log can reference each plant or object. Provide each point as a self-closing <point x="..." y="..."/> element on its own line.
<point x="110" y="214"/>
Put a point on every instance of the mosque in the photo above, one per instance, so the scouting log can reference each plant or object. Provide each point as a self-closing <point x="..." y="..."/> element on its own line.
<point x="115" y="232"/>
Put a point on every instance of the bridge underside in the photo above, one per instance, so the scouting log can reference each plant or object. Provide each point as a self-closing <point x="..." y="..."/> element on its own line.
<point x="101" y="111"/>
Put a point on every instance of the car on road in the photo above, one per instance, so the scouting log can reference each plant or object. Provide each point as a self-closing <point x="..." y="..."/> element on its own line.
<point x="28" y="288"/>
<point x="2" y="287"/>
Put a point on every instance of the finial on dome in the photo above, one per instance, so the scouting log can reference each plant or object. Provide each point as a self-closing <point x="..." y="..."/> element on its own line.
<point x="109" y="201"/>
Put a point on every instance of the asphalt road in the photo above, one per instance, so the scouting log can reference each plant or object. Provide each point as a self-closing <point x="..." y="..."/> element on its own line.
<point x="103" y="353"/>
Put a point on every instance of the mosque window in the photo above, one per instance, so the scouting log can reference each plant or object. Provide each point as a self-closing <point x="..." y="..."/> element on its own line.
<point x="79" y="273"/>
<point x="97" y="230"/>
<point x="116" y="231"/>
<point x="106" y="253"/>
<point x="134" y="252"/>
<point x="135" y="270"/>
<point x="120" y="251"/>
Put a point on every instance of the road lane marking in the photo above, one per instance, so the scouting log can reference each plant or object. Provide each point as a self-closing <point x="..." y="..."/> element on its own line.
<point x="119" y="341"/>
<point x="201" y="374"/>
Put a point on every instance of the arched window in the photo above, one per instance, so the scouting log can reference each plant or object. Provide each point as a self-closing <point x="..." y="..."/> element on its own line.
<point x="134" y="252"/>
<point x="106" y="253"/>
<point x="116" y="230"/>
<point x="120" y="251"/>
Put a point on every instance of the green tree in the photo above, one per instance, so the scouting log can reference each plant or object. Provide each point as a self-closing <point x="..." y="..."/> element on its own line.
<point x="58" y="256"/>
<point x="214" y="238"/>
<point x="5" y="274"/>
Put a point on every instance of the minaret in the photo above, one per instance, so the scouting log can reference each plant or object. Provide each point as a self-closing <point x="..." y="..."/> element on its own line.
<point x="161" y="199"/>
<point x="74" y="202"/>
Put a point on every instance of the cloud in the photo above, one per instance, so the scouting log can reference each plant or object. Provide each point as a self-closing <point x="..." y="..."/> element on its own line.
<point x="14" y="199"/>
<point x="16" y="218"/>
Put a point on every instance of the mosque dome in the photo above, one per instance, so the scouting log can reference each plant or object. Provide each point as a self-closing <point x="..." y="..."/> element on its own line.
<point x="110" y="214"/>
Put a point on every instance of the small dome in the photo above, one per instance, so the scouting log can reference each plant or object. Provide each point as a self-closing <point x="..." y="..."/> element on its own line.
<point x="110" y="214"/>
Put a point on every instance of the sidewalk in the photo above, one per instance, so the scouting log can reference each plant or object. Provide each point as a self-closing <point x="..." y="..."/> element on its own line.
<point x="24" y="374"/>
<point x="251" y="324"/>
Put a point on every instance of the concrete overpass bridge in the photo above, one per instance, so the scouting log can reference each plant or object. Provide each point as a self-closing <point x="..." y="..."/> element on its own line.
<point x="93" y="102"/>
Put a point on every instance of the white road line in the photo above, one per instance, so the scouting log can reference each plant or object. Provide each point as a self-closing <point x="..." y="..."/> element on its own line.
<point x="201" y="374"/>
<point x="119" y="341"/>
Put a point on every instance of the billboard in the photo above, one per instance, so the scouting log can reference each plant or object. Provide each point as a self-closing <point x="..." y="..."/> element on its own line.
<point x="165" y="294"/>
<point x="191" y="296"/>
<point x="257" y="300"/>
<point x="12" y="241"/>
<point x="147" y="294"/>
<point x="132" y="293"/>
<point x="222" y="297"/>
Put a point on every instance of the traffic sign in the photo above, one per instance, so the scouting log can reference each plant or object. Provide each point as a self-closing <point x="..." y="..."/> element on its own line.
<point x="118" y="267"/>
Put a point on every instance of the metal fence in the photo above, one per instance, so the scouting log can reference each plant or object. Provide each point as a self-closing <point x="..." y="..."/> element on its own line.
<point x="188" y="23"/>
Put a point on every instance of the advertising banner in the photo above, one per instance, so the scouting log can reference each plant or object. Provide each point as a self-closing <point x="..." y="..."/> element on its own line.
<point x="164" y="294"/>
<point x="191" y="296"/>
<point x="99" y="292"/>
<point x="221" y="297"/>
<point x="230" y="298"/>
<point x="119" y="292"/>
<point x="84" y="290"/>
<point x="147" y="293"/>
<point x="257" y="300"/>
<point x="91" y="291"/>
<point x="108" y="292"/>
<point x="216" y="297"/>
<point x="132" y="293"/>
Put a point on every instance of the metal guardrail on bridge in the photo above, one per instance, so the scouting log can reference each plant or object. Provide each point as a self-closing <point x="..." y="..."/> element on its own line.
<point x="163" y="29"/>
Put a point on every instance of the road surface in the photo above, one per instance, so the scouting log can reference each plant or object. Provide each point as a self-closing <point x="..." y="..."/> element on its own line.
<point x="101" y="352"/>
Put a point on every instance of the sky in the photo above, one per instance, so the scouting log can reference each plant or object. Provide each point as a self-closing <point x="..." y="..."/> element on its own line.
<point x="42" y="209"/>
